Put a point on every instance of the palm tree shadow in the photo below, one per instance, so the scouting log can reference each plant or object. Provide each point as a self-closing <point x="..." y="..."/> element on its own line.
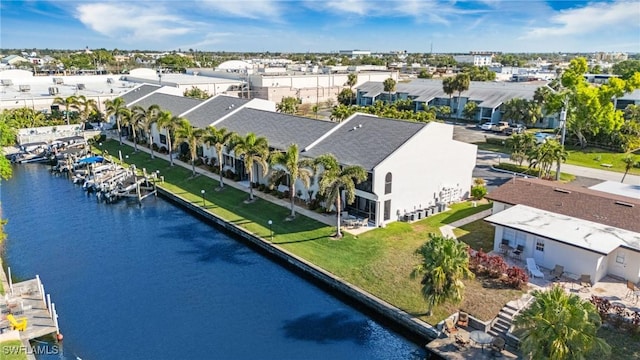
<point x="327" y="328"/>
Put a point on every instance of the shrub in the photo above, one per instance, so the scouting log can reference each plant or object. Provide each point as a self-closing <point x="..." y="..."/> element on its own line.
<point x="163" y="149"/>
<point x="516" y="277"/>
<point x="261" y="187"/>
<point x="478" y="192"/>
<point x="286" y="194"/>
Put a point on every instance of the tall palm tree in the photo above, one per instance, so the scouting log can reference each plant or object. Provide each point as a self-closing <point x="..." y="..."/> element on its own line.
<point x="335" y="179"/>
<point x="193" y="137"/>
<point x="520" y="145"/>
<point x="352" y="80"/>
<point x="133" y="121"/>
<point x="67" y="102"/>
<point x="293" y="168"/>
<point x="448" y="86"/>
<point x="461" y="84"/>
<point x="389" y="86"/>
<point x="545" y="154"/>
<point x="170" y="124"/>
<point x="116" y="107"/>
<point x="559" y="325"/>
<point x="146" y="119"/>
<point x="254" y="150"/>
<point x="445" y="263"/>
<point x="218" y="138"/>
<point x="85" y="107"/>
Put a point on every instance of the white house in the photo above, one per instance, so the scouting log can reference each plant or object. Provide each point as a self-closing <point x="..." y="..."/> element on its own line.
<point x="587" y="231"/>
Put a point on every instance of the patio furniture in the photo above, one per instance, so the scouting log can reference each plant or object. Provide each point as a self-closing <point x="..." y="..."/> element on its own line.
<point x="631" y="289"/>
<point x="449" y="327"/>
<point x="481" y="338"/>
<point x="557" y="272"/>
<point x="20" y="325"/>
<point x="364" y="222"/>
<point x="463" y="319"/>
<point x="585" y="282"/>
<point x="497" y="346"/>
<point x="533" y="268"/>
<point x="505" y="247"/>
<point x="518" y="251"/>
<point x="462" y="341"/>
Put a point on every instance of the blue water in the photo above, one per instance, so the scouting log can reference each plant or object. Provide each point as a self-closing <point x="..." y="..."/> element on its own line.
<point x="153" y="282"/>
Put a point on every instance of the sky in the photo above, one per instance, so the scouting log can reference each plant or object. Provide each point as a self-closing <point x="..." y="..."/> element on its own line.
<point x="416" y="26"/>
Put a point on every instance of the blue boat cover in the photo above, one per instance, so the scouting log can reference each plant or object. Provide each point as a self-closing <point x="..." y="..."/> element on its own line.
<point x="91" y="160"/>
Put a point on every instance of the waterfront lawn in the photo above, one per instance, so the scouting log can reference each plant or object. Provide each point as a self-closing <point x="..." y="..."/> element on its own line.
<point x="623" y="344"/>
<point x="12" y="350"/>
<point x="378" y="261"/>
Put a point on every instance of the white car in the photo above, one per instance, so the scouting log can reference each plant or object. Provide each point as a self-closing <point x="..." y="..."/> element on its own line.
<point x="486" y="126"/>
<point x="542" y="137"/>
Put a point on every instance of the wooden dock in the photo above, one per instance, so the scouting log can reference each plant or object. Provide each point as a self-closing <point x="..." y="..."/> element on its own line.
<point x="27" y="300"/>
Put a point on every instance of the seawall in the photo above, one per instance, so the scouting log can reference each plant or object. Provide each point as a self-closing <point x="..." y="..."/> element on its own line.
<point x="414" y="329"/>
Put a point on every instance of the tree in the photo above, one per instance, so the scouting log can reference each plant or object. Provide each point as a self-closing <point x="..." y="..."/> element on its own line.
<point x="478" y="192"/>
<point x="448" y="86"/>
<point x="335" y="179"/>
<point x="444" y="264"/>
<point x="352" y="80"/>
<point x="389" y="86"/>
<point x="470" y="110"/>
<point x="218" y="138"/>
<point x="544" y="155"/>
<point x="252" y="150"/>
<point x="461" y="84"/>
<point x="197" y="93"/>
<point x="146" y="120"/>
<point x="293" y="168"/>
<point x="626" y="69"/>
<point x="558" y="325"/>
<point x="629" y="161"/>
<point x="84" y="106"/>
<point x="288" y="105"/>
<point x="117" y="108"/>
<point x="520" y="145"/>
<point x="7" y="138"/>
<point x="341" y="112"/>
<point x="193" y="137"/>
<point x="67" y="102"/>
<point x="170" y="124"/>
<point x="346" y="97"/>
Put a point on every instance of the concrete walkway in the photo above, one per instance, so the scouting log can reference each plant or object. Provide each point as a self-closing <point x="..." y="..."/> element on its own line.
<point x="447" y="230"/>
<point x="328" y="219"/>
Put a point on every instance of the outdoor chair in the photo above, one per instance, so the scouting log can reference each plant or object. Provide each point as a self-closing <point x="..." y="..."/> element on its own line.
<point x="497" y="346"/>
<point x="462" y="342"/>
<point x="20" y="325"/>
<point x="518" y="251"/>
<point x="364" y="222"/>
<point x="585" y="282"/>
<point x="449" y="327"/>
<point x="463" y="319"/>
<point x="504" y="246"/>
<point x="557" y="272"/>
<point x="533" y="268"/>
<point x="631" y="289"/>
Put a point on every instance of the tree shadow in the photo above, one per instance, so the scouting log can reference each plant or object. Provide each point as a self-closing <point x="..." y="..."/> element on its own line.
<point x="326" y="328"/>
<point x="299" y="241"/>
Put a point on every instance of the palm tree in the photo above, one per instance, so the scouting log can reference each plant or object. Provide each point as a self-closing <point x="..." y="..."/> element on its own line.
<point x="545" y="154"/>
<point x="293" y="168"/>
<point x="448" y="86"/>
<point x="389" y="86"/>
<point x="254" y="150"/>
<point x="558" y="325"/>
<point x="335" y="179"/>
<point x="629" y="162"/>
<point x="352" y="80"/>
<point x="513" y="110"/>
<point x="84" y="107"/>
<point x="193" y="137"/>
<point x="445" y="263"/>
<point x="116" y="107"/>
<point x="218" y="138"/>
<point x="133" y="121"/>
<point x="341" y="112"/>
<point x="170" y="124"/>
<point x="461" y="83"/>
<point x="145" y="120"/>
<point x="520" y="145"/>
<point x="67" y="102"/>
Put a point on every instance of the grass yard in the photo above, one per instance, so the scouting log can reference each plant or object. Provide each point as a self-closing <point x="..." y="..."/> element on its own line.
<point x="12" y="350"/>
<point x="593" y="158"/>
<point x="379" y="261"/>
<point x="478" y="235"/>
<point x="624" y="346"/>
<point x="564" y="177"/>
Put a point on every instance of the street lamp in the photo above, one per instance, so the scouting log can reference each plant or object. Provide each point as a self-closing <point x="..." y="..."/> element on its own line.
<point x="202" y="192"/>
<point x="271" y="228"/>
<point x="563" y="123"/>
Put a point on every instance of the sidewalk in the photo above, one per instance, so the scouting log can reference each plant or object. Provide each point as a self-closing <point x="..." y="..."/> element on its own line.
<point x="327" y="219"/>
<point x="447" y="230"/>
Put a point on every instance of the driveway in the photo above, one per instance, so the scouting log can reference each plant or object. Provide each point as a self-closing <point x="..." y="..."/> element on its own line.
<point x="471" y="134"/>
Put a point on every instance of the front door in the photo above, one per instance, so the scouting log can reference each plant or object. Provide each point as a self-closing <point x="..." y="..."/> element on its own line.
<point x="620" y="260"/>
<point x="538" y="250"/>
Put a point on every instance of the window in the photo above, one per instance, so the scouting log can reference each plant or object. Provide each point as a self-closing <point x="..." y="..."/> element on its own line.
<point x="163" y="139"/>
<point x="540" y="245"/>
<point x="366" y="185"/>
<point x="620" y="258"/>
<point x="387" y="209"/>
<point x="387" y="183"/>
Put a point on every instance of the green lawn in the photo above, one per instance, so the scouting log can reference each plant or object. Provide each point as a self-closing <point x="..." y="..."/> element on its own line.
<point x="624" y="346"/>
<point x="564" y="177"/>
<point x="478" y="234"/>
<point x="378" y="261"/>
<point x="12" y="350"/>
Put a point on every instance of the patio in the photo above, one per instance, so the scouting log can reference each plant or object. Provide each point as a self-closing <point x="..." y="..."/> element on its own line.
<point x="448" y="348"/>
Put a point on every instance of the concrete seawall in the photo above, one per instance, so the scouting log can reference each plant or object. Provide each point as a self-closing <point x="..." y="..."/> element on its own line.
<point x="414" y="329"/>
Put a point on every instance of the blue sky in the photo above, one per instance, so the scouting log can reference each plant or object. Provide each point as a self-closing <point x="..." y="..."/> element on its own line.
<point x="323" y="26"/>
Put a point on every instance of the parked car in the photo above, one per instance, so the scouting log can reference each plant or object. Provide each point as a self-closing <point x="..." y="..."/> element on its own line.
<point x="500" y="126"/>
<point x="542" y="137"/>
<point x="515" y="129"/>
<point x="486" y="126"/>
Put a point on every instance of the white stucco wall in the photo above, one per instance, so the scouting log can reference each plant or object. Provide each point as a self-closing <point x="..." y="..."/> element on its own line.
<point x="628" y="268"/>
<point x="421" y="167"/>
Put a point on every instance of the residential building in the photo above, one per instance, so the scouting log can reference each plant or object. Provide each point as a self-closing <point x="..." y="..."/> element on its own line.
<point x="630" y="98"/>
<point x="478" y="59"/>
<point x="587" y="231"/>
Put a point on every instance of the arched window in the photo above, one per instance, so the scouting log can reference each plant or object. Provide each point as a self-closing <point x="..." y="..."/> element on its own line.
<point x="387" y="184"/>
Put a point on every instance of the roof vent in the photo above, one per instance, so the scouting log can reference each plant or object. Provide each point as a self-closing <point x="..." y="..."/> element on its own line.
<point x="564" y="191"/>
<point x="359" y="125"/>
<point x="624" y="203"/>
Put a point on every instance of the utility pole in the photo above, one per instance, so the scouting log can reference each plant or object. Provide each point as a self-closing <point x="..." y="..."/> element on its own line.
<point x="563" y="123"/>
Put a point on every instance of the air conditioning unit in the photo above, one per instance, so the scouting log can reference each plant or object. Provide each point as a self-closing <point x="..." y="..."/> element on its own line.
<point x="53" y="90"/>
<point x="24" y="88"/>
<point x="80" y="86"/>
<point x="58" y="81"/>
<point x="6" y="82"/>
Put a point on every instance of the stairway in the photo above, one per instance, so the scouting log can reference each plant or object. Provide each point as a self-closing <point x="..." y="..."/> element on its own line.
<point x="502" y="323"/>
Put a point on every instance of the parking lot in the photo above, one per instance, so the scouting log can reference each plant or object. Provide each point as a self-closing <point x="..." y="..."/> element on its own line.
<point x="472" y="134"/>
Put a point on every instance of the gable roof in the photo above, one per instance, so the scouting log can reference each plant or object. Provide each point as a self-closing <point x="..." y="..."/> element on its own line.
<point x="281" y="130"/>
<point x="582" y="203"/>
<point x="172" y="103"/>
<point x="365" y="140"/>
<point x="213" y="110"/>
<point x="138" y="92"/>
<point x="585" y="234"/>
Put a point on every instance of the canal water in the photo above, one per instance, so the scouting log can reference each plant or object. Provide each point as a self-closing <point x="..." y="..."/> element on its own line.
<point x="154" y="282"/>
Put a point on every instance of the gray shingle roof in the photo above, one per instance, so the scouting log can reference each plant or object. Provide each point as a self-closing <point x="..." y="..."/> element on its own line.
<point x="366" y="145"/>
<point x="487" y="94"/>
<point x="281" y="130"/>
<point x="213" y="110"/>
<point x="138" y="92"/>
<point x="173" y="103"/>
<point x="634" y="95"/>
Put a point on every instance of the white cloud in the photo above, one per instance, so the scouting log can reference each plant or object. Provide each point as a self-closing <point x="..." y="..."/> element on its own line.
<point x="146" y="21"/>
<point x="252" y="9"/>
<point x="358" y="7"/>
<point x="589" y="19"/>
